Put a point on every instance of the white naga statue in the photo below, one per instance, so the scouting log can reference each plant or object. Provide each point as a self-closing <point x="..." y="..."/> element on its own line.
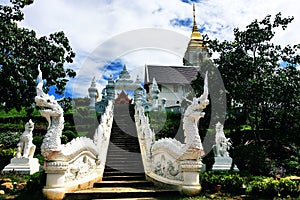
<point x="25" y="145"/>
<point x="222" y="143"/>
<point x="191" y="117"/>
<point x="53" y="112"/>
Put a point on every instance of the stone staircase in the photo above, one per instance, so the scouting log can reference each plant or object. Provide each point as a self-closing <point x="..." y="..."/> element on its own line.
<point x="124" y="176"/>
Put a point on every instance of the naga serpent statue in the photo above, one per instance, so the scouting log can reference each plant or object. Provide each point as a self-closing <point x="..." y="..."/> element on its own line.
<point x="192" y="147"/>
<point x="52" y="111"/>
<point x="191" y="117"/>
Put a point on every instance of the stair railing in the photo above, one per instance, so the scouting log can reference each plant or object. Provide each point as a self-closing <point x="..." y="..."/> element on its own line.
<point x="80" y="163"/>
<point x="155" y="170"/>
<point x="168" y="161"/>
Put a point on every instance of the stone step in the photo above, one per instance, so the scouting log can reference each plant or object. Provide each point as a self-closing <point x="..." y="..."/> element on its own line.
<point x="127" y="183"/>
<point x="123" y="149"/>
<point x="125" y="143"/>
<point x="122" y="192"/>
<point x="114" y="172"/>
<point x="118" y="135"/>
<point x="121" y="139"/>
<point x="136" y="170"/>
<point x="123" y="161"/>
<point x="114" y="156"/>
<point x="116" y="165"/>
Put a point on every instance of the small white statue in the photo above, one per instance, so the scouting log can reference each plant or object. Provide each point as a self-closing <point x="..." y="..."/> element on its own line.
<point x="25" y="145"/>
<point x="222" y="143"/>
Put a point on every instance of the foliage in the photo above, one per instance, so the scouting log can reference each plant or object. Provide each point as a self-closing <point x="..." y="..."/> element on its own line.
<point x="164" y="123"/>
<point x="70" y="135"/>
<point x="21" y="51"/>
<point x="270" y="187"/>
<point x="251" y="158"/>
<point x="6" y="154"/>
<point x="9" y="139"/>
<point x="260" y="92"/>
<point x="34" y="185"/>
<point x="235" y="183"/>
<point x="229" y="181"/>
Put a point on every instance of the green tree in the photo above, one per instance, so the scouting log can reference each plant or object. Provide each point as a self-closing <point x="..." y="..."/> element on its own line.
<point x="21" y="51"/>
<point x="260" y="92"/>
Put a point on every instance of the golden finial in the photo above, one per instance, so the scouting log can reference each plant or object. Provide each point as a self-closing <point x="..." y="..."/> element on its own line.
<point x="195" y="34"/>
<point x="194" y="14"/>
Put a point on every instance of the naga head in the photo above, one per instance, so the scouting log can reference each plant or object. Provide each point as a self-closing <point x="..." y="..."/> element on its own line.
<point x="43" y="100"/>
<point x="46" y="101"/>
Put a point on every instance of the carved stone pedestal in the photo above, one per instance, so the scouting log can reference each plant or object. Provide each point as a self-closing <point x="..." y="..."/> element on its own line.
<point x="23" y="165"/>
<point x="223" y="163"/>
<point x="191" y="169"/>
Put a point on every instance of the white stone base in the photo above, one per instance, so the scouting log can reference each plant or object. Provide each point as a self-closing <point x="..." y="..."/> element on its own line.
<point x="23" y="165"/>
<point x="223" y="163"/>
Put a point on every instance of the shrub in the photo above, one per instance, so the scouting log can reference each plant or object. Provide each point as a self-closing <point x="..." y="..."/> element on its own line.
<point x="252" y="158"/>
<point x="230" y="182"/>
<point x="270" y="187"/>
<point x="37" y="141"/>
<point x="256" y="186"/>
<point x="165" y="124"/>
<point x="9" y="139"/>
<point x="33" y="185"/>
<point x="70" y="135"/>
<point x="6" y="155"/>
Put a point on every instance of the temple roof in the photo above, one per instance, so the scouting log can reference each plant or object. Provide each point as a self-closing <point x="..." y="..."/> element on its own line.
<point x="170" y="74"/>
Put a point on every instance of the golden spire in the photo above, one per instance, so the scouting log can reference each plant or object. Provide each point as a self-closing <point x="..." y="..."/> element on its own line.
<point x="195" y="34"/>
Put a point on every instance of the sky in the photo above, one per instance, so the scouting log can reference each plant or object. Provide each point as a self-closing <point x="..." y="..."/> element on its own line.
<point x="106" y="34"/>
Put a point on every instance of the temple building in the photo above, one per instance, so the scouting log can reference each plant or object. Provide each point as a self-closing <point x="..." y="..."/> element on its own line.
<point x="165" y="86"/>
<point x="174" y="82"/>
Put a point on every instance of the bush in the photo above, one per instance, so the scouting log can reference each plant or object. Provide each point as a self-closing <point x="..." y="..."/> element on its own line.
<point x="37" y="141"/>
<point x="32" y="189"/>
<point x="256" y="186"/>
<point x="252" y="159"/>
<point x="6" y="155"/>
<point x="165" y="124"/>
<point x="270" y="187"/>
<point x="9" y="139"/>
<point x="70" y="135"/>
<point x="230" y="182"/>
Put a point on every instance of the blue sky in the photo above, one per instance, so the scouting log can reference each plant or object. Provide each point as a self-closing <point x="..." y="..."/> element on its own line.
<point x="96" y="30"/>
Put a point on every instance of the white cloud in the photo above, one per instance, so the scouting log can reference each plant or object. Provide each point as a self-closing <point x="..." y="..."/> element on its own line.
<point x="89" y="24"/>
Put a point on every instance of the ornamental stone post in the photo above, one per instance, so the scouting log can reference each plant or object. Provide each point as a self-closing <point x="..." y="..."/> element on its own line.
<point x="55" y="183"/>
<point x="191" y="169"/>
